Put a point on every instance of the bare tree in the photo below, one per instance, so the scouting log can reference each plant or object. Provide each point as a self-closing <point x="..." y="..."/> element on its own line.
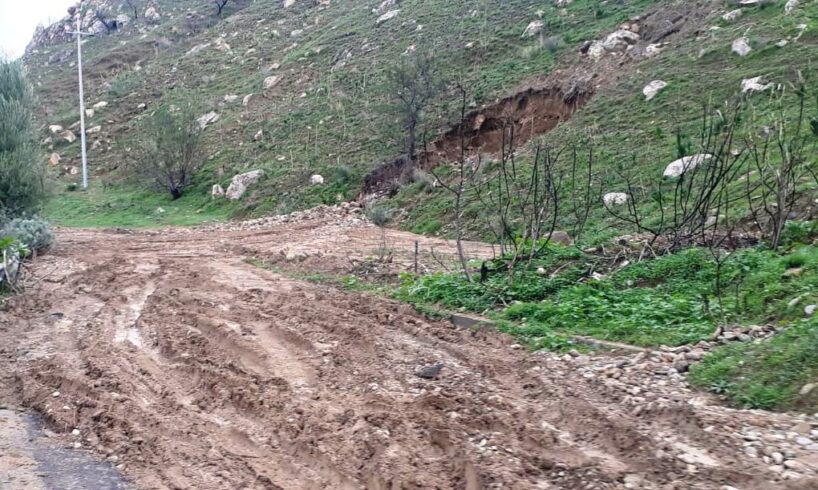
<point x="170" y="152"/>
<point x="782" y="156"/>
<point x="134" y="7"/>
<point x="220" y="4"/>
<point x="464" y="178"/>
<point x="413" y="84"/>
<point x="687" y="208"/>
<point x="522" y="201"/>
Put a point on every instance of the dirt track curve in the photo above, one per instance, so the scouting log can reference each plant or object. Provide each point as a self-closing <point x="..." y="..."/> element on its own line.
<point x="193" y="369"/>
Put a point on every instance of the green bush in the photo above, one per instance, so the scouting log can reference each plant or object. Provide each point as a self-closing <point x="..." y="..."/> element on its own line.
<point x="22" y="170"/>
<point x="35" y="234"/>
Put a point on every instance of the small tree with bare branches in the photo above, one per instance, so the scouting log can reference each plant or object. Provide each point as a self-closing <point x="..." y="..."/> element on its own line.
<point x="170" y="151"/>
<point x="413" y="84"/>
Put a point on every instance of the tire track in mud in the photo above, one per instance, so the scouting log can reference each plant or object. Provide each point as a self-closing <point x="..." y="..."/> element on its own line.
<point x="194" y="369"/>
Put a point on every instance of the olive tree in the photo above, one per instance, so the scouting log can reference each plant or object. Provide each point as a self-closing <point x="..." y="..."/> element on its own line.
<point x="22" y="170"/>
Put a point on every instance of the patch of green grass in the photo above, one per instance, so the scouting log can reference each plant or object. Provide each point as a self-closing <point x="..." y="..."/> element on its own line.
<point x="671" y="300"/>
<point x="765" y="374"/>
<point x="133" y="208"/>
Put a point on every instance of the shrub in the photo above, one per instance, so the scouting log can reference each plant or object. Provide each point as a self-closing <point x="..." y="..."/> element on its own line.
<point x="22" y="170"/>
<point x="34" y="233"/>
<point x="170" y="152"/>
<point x="379" y="215"/>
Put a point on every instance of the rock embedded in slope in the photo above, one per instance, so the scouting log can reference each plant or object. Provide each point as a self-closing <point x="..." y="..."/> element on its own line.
<point x="741" y="46"/>
<point x="755" y="84"/>
<point x="682" y="165"/>
<point x="208" y="118"/>
<point x="615" y="198"/>
<point x="652" y="89"/>
<point x="240" y="184"/>
<point x="732" y="16"/>
<point x="533" y="28"/>
<point x="790" y="6"/>
<point x="387" y="16"/>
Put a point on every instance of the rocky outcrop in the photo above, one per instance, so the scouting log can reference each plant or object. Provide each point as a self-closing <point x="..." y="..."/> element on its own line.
<point x="682" y="165"/>
<point x="240" y="184"/>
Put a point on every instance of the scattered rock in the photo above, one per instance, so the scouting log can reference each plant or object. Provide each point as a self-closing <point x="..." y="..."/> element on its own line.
<point x="94" y="130"/>
<point x="653" y="88"/>
<point x="54" y="159"/>
<point x="385" y="6"/>
<point x="682" y="165"/>
<point x="807" y="389"/>
<point x="430" y="372"/>
<point x="754" y="85"/>
<point x="100" y="105"/>
<point x="388" y="15"/>
<point x="741" y="46"/>
<point x="615" y="198"/>
<point x="151" y="15"/>
<point x="68" y="136"/>
<point x="208" y="118"/>
<point x="246" y="100"/>
<point x="230" y="98"/>
<point x="732" y="15"/>
<point x="791" y="6"/>
<point x="316" y="179"/>
<point x="89" y="113"/>
<point x="809" y="310"/>
<point x="620" y="40"/>
<point x="217" y="191"/>
<point x="55" y="128"/>
<point x="271" y="81"/>
<point x="259" y="134"/>
<point x="534" y="28"/>
<point x="240" y="183"/>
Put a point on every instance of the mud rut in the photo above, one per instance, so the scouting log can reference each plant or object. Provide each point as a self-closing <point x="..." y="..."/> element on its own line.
<point x="195" y="369"/>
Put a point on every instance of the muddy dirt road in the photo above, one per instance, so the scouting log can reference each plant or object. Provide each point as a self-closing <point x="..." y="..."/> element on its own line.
<point x="190" y="368"/>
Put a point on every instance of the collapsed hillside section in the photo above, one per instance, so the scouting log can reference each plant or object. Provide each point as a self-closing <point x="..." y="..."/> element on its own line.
<point x="541" y="105"/>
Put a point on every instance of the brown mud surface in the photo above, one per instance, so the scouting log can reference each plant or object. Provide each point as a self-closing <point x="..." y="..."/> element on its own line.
<point x="194" y="369"/>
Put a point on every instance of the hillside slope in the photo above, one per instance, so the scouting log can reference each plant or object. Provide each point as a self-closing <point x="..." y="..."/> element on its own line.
<point x="323" y="111"/>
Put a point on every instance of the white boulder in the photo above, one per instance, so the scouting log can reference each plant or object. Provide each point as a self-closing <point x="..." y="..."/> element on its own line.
<point x="653" y="88"/>
<point x="741" y="46"/>
<point x="55" y="128"/>
<point x="620" y="40"/>
<point x="682" y="165"/>
<point x="288" y="3"/>
<point x="754" y="84"/>
<point x="534" y="28"/>
<point x="385" y="6"/>
<point x="316" y="179"/>
<point x="230" y="98"/>
<point x="240" y="183"/>
<point x="151" y="14"/>
<point x="389" y="15"/>
<point x="271" y="81"/>
<point x="68" y="136"/>
<point x="732" y="15"/>
<point x="259" y="135"/>
<point x="89" y="113"/>
<point x="246" y="100"/>
<point x="217" y="191"/>
<point x="791" y="6"/>
<point x="100" y="105"/>
<point x="208" y="118"/>
<point x="615" y="198"/>
<point x="94" y="130"/>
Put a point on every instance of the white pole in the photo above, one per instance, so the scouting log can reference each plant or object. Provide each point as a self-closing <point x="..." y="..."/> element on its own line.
<point x="82" y="103"/>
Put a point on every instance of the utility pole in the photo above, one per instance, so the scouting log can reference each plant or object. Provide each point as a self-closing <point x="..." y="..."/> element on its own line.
<point x="79" y="35"/>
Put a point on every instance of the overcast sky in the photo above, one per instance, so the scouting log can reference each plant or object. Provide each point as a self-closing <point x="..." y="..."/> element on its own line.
<point x="19" y="18"/>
